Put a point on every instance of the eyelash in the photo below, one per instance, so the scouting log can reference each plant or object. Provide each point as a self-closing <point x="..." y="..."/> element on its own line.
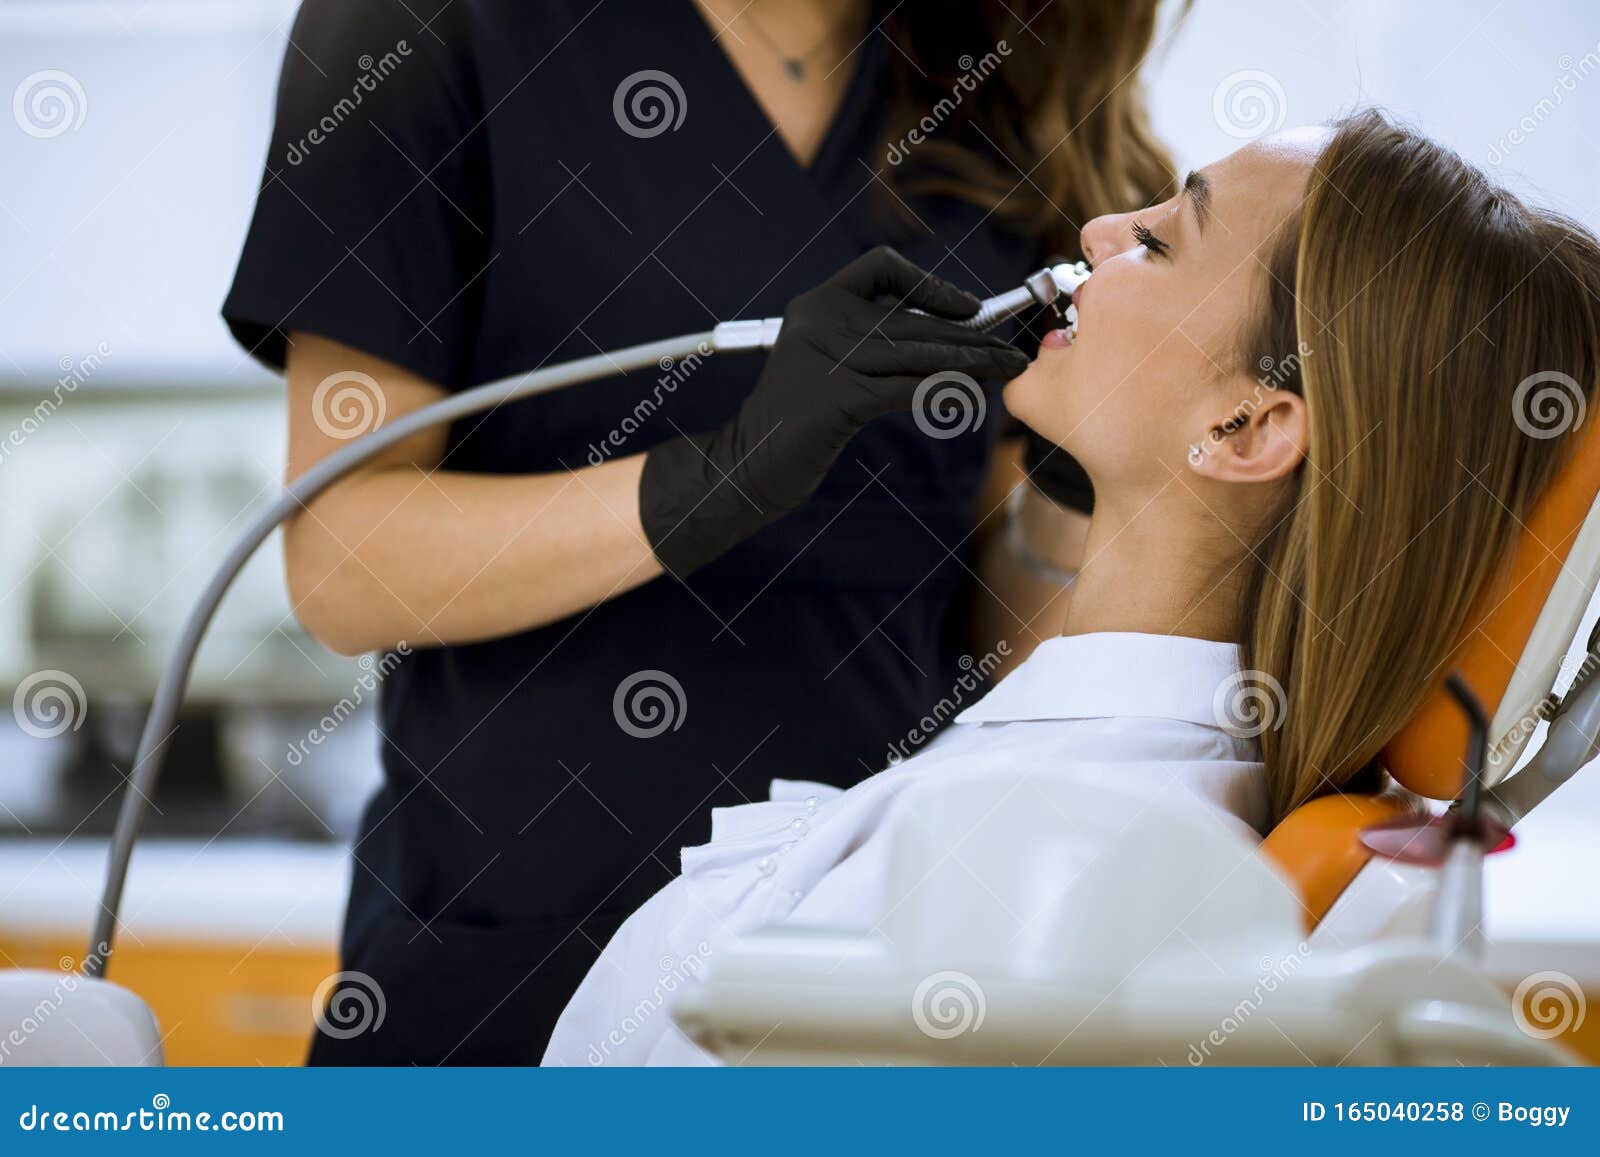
<point x="1149" y="240"/>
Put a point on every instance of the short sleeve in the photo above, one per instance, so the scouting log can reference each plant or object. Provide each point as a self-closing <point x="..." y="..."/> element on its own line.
<point x="372" y="220"/>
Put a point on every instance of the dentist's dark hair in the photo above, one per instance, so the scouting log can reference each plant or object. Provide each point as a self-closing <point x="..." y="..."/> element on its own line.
<point x="1420" y="301"/>
<point x="1032" y="109"/>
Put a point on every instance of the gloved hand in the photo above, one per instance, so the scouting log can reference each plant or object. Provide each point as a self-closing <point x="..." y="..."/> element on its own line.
<point x="843" y="357"/>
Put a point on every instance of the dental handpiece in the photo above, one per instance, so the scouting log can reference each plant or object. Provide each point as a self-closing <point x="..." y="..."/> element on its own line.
<point x="1049" y="287"/>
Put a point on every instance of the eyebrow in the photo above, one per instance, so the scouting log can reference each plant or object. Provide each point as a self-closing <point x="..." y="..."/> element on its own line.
<point x="1198" y="186"/>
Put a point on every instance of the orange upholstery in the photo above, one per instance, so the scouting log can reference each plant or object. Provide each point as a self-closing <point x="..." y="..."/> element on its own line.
<point x="1427" y="755"/>
<point x="1317" y="846"/>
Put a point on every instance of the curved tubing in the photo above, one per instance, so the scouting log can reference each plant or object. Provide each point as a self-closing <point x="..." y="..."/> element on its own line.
<point x="159" y="725"/>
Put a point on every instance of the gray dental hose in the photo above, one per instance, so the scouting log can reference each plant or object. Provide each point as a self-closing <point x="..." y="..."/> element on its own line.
<point x="1042" y="288"/>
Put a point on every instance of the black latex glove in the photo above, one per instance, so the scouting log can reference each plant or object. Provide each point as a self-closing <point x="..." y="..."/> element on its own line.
<point x="848" y="352"/>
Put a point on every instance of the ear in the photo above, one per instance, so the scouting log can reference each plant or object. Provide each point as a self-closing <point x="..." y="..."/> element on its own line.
<point x="1264" y="439"/>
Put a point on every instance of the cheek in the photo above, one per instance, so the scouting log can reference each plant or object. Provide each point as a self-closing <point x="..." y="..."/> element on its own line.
<point x="1118" y="424"/>
<point x="1109" y="400"/>
<point x="1064" y="400"/>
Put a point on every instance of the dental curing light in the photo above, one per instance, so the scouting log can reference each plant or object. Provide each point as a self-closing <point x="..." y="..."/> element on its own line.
<point x="1047" y="287"/>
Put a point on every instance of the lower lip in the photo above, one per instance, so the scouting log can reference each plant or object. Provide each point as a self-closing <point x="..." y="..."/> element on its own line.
<point x="1056" y="339"/>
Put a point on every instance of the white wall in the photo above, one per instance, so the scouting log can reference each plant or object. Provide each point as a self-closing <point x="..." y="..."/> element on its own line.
<point x="1513" y="86"/>
<point x="125" y="228"/>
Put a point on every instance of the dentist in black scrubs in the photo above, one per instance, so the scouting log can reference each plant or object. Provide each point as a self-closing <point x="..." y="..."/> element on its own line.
<point x="628" y="602"/>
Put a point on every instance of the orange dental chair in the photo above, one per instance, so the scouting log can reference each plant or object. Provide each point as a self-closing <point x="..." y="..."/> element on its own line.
<point x="1348" y="855"/>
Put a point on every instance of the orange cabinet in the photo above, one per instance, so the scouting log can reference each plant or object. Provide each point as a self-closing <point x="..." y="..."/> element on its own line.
<point x="217" y="1004"/>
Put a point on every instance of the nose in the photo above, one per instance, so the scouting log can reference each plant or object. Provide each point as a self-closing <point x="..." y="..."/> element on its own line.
<point x="1102" y="238"/>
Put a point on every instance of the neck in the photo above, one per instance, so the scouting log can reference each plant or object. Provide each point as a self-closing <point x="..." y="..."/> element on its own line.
<point x="1158" y="571"/>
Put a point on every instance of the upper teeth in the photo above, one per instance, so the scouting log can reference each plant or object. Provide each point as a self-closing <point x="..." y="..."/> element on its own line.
<point x="1071" y="327"/>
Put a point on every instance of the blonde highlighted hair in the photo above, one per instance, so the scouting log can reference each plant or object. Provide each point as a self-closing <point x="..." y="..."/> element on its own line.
<point x="1416" y="298"/>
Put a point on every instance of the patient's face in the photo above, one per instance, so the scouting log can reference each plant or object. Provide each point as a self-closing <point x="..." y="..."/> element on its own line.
<point x="1174" y="286"/>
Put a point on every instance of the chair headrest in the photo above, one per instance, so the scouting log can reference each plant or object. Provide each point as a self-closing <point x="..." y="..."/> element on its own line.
<point x="1516" y="638"/>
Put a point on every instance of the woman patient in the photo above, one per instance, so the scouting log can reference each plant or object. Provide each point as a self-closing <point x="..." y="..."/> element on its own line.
<point x="1300" y="390"/>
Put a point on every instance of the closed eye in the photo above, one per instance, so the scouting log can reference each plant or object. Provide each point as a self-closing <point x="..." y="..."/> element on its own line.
<point x="1150" y="241"/>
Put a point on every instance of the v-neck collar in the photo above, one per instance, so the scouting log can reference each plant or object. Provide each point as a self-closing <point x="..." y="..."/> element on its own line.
<point x="864" y="61"/>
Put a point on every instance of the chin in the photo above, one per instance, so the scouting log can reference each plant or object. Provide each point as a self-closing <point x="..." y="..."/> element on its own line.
<point x="1035" y="398"/>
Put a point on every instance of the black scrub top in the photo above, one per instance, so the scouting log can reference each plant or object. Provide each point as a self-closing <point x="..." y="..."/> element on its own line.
<point x="471" y="204"/>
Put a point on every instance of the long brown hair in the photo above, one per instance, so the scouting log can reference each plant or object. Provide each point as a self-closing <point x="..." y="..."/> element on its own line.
<point x="1417" y="300"/>
<point x="1033" y="108"/>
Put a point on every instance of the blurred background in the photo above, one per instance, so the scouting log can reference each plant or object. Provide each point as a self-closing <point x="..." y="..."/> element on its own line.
<point x="135" y="438"/>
